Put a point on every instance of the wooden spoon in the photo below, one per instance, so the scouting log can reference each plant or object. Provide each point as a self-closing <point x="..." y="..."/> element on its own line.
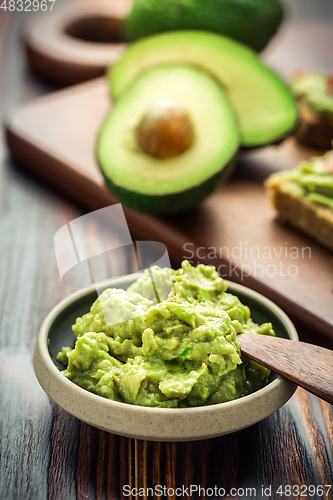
<point x="307" y="365"/>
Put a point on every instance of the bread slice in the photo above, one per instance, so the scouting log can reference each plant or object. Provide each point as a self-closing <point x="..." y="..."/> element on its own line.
<point x="313" y="129"/>
<point x="314" y="220"/>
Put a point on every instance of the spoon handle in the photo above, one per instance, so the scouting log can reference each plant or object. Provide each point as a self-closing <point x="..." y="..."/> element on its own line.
<point x="307" y="365"/>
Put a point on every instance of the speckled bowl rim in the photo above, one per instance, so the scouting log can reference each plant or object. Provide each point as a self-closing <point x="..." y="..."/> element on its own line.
<point x="159" y="424"/>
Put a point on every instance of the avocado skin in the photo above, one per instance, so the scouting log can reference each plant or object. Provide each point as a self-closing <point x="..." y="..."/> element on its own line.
<point x="252" y="22"/>
<point x="173" y="203"/>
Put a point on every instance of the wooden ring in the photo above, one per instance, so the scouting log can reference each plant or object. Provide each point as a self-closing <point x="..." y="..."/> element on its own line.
<point x="76" y="43"/>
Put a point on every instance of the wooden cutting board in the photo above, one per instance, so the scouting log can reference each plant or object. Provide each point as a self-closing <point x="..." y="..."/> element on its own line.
<point x="235" y="229"/>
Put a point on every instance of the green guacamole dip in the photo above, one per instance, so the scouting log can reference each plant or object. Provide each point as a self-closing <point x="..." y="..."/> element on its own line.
<point x="179" y="352"/>
<point x="312" y="179"/>
<point x="317" y="90"/>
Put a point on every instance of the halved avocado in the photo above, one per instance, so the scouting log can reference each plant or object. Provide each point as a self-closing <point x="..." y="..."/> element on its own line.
<point x="165" y="184"/>
<point x="264" y="105"/>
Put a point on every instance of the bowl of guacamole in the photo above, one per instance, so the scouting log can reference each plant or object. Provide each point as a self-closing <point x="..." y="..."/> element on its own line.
<point x="155" y="355"/>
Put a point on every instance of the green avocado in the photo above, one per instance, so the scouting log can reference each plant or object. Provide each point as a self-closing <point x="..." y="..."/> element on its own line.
<point x="317" y="91"/>
<point x="252" y="22"/>
<point x="178" y="353"/>
<point x="164" y="185"/>
<point x="263" y="103"/>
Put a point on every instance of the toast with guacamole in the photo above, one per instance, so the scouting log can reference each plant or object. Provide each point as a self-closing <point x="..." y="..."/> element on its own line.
<point x="303" y="197"/>
<point x="173" y="353"/>
<point x="184" y="103"/>
<point x="314" y="92"/>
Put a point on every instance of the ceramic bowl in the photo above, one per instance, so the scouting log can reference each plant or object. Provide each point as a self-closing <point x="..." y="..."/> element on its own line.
<point x="155" y="424"/>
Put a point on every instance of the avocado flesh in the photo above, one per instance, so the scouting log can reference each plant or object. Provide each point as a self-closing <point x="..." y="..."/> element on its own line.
<point x="252" y="22"/>
<point x="177" y="183"/>
<point x="263" y="103"/>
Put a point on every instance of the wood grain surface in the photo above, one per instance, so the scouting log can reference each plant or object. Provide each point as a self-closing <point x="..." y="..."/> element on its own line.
<point x="45" y="453"/>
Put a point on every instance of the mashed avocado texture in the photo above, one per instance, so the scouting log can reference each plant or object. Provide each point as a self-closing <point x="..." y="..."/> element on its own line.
<point x="178" y="352"/>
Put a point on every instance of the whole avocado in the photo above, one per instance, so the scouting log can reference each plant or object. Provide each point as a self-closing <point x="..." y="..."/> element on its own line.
<point x="252" y="22"/>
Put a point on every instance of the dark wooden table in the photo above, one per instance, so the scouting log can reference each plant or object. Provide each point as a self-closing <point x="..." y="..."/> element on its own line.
<point x="47" y="453"/>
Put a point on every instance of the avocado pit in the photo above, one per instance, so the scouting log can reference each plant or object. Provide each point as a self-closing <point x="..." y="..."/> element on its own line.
<point x="165" y="130"/>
